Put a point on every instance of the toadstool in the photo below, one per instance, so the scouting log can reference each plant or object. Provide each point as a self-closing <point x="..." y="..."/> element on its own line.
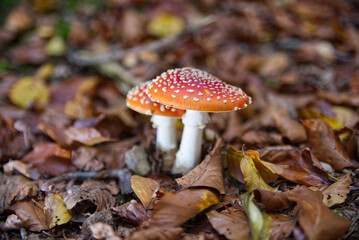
<point x="163" y="117"/>
<point x="197" y="92"/>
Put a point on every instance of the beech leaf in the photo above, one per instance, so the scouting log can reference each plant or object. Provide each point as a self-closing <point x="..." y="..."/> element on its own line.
<point x="317" y="221"/>
<point x="144" y="188"/>
<point x="174" y="208"/>
<point x="231" y="223"/>
<point x="208" y="173"/>
<point x="56" y="211"/>
<point x="325" y="145"/>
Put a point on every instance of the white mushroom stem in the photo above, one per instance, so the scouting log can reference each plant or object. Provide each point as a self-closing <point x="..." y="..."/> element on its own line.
<point x="190" y="149"/>
<point x="166" y="132"/>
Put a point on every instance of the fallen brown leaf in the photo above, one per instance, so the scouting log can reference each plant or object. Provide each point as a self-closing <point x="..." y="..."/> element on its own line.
<point x="325" y="145"/>
<point x="88" y="199"/>
<point x="15" y="188"/>
<point x="24" y="169"/>
<point x="31" y="215"/>
<point x="300" y="166"/>
<point x="49" y="158"/>
<point x="174" y="208"/>
<point x="131" y="212"/>
<point x="231" y="223"/>
<point x="87" y="136"/>
<point x="282" y="225"/>
<point x="208" y="173"/>
<point x="317" y="221"/>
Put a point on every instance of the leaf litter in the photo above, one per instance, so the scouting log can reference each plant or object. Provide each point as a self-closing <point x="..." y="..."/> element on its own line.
<point x="283" y="168"/>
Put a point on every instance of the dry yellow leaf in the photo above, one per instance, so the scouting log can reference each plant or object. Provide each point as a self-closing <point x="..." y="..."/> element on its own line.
<point x="165" y="25"/>
<point x="56" y="211"/>
<point x="28" y="92"/>
<point x="144" y="188"/>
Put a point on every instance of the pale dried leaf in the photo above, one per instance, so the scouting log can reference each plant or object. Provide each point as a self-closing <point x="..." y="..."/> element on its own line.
<point x="144" y="188"/>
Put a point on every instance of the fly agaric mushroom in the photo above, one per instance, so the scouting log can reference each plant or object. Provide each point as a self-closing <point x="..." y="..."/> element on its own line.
<point x="198" y="92"/>
<point x="163" y="117"/>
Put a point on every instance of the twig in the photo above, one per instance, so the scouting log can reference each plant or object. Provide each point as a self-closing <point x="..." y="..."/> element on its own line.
<point x="118" y="173"/>
<point x="83" y="58"/>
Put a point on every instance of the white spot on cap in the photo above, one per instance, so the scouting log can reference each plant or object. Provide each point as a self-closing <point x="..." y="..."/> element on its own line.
<point x="218" y="97"/>
<point x="196" y="99"/>
<point x="200" y="93"/>
<point x="185" y="96"/>
<point x="135" y="99"/>
<point x="190" y="90"/>
<point x="173" y="95"/>
<point x="172" y="87"/>
<point x="177" y="91"/>
<point x="162" y="108"/>
<point x="156" y="90"/>
<point x="148" y="112"/>
<point x="155" y="104"/>
<point x="224" y="101"/>
<point x="167" y="107"/>
<point x="209" y="99"/>
<point x="173" y="109"/>
<point x="164" y="89"/>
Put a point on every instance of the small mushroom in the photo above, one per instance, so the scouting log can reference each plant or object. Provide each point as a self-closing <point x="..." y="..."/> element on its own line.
<point x="197" y="92"/>
<point x="163" y="117"/>
<point x="23" y="127"/>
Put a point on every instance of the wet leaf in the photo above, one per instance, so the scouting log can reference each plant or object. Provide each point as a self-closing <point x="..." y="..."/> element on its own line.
<point x="174" y="208"/>
<point x="29" y="92"/>
<point x="164" y="25"/>
<point x="144" y="188"/>
<point x="87" y="136"/>
<point x="231" y="223"/>
<point x="317" y="221"/>
<point x="49" y="158"/>
<point x="259" y="222"/>
<point x="325" y="145"/>
<point x="208" y="173"/>
<point x="56" y="211"/>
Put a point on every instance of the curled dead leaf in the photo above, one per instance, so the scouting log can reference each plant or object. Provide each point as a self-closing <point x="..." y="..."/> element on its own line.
<point x="325" y="145"/>
<point x="208" y="173"/>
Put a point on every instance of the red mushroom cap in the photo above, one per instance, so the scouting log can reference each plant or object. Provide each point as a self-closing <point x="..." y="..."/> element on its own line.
<point x="138" y="100"/>
<point x="194" y="89"/>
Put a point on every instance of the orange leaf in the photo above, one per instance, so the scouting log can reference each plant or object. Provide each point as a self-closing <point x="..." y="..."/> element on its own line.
<point x="144" y="188"/>
<point x="175" y="208"/>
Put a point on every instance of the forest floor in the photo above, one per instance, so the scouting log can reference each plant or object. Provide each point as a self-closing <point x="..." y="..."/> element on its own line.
<point x="77" y="163"/>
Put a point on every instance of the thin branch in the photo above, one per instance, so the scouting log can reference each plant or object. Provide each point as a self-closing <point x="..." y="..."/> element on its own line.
<point x="118" y="173"/>
<point x="83" y="58"/>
